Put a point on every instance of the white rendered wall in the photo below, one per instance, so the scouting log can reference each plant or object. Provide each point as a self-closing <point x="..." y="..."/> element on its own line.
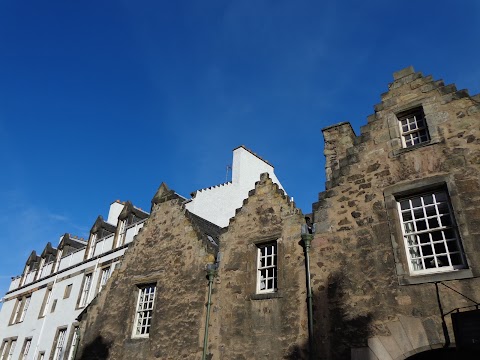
<point x="218" y="204"/>
<point x="115" y="210"/>
<point x="72" y="271"/>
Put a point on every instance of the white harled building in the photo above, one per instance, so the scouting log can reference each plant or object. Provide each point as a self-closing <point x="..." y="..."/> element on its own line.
<point x="39" y="311"/>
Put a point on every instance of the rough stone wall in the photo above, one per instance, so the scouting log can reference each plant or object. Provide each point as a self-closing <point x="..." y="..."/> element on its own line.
<point x="246" y="325"/>
<point x="365" y="299"/>
<point x="167" y="252"/>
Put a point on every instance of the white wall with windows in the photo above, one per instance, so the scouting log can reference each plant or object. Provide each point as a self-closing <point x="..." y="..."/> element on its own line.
<point x="44" y="309"/>
<point x="217" y="204"/>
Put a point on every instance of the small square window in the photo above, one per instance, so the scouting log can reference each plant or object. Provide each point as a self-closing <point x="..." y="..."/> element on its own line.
<point x="144" y="310"/>
<point x="431" y="238"/>
<point x="267" y="268"/>
<point x="413" y="127"/>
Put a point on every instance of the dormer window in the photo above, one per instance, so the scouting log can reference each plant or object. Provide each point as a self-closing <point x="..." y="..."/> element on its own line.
<point x="413" y="127"/>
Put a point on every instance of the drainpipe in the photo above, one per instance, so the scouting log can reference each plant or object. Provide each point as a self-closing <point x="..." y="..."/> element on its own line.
<point x="211" y="272"/>
<point x="444" y="324"/>
<point x="307" y="237"/>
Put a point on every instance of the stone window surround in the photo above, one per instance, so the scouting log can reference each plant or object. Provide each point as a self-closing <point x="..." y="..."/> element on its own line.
<point x="6" y="346"/>
<point x="252" y="273"/>
<point x="82" y="302"/>
<point x="46" y="301"/>
<point x="19" y="310"/>
<point x="138" y="288"/>
<point x="57" y="337"/>
<point x="408" y="188"/>
<point x="27" y="344"/>
<point x="395" y="129"/>
<point x="415" y="116"/>
<point x="68" y="346"/>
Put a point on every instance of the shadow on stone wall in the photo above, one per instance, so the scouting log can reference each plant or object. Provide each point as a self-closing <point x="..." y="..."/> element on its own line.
<point x="335" y="330"/>
<point x="98" y="349"/>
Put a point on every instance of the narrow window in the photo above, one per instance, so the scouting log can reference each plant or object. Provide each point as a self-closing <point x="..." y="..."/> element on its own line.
<point x="93" y="244"/>
<point x="87" y="282"/>
<point x="46" y="301"/>
<point x="413" y="127"/>
<point x="431" y="238"/>
<point x="267" y="268"/>
<point x="25" y="304"/>
<point x="41" y="355"/>
<point x="26" y="348"/>
<point x="73" y="345"/>
<point x="16" y="312"/>
<point x="144" y="311"/>
<point x="59" y="342"/>
<point x="13" y="343"/>
<point x="68" y="291"/>
<point x="104" y="278"/>
<point x="3" y="350"/>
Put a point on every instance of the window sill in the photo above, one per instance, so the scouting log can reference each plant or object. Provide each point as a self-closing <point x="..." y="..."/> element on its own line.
<point x="265" y="296"/>
<point x="434" y="277"/>
<point x="401" y="151"/>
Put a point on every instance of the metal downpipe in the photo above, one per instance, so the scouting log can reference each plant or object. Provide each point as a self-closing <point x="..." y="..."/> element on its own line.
<point x="211" y="272"/>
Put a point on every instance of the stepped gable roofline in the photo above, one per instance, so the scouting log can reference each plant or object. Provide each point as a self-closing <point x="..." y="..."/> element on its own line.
<point x="253" y="153"/>
<point x="343" y="123"/>
<point x="263" y="178"/>
<point x="208" y="232"/>
<point x="128" y="208"/>
<point x="209" y="188"/>
<point x="102" y="224"/>
<point x="165" y="194"/>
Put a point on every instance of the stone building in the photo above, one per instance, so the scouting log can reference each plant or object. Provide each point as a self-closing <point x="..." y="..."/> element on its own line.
<point x="385" y="267"/>
<point x="398" y="226"/>
<point x="394" y="251"/>
<point x="38" y="317"/>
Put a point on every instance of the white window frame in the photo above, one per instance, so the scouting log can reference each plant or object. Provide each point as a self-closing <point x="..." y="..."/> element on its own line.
<point x="430" y="234"/>
<point x="59" y="343"/>
<point x="144" y="310"/>
<point x="87" y="284"/>
<point x="93" y="245"/>
<point x="267" y="267"/>
<point x="4" y="349"/>
<point x="105" y="275"/>
<point x="11" y="348"/>
<point x="413" y="127"/>
<point x="41" y="355"/>
<point x="25" y="304"/>
<point x="48" y="295"/>
<point x="73" y="345"/>
<point x="26" y="348"/>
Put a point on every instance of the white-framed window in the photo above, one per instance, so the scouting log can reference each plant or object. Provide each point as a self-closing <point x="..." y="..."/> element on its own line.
<point x="25" y="304"/>
<point x="267" y="267"/>
<point x="122" y="232"/>
<point x="59" y="344"/>
<point x="413" y="127"/>
<point x="431" y="238"/>
<point x="87" y="282"/>
<point x="103" y="279"/>
<point x="3" y="349"/>
<point x="73" y="345"/>
<point x="26" y="348"/>
<point x="93" y="245"/>
<point x="144" y="310"/>
<point x="41" y="355"/>
<point x="46" y="302"/>
<point x="9" y="349"/>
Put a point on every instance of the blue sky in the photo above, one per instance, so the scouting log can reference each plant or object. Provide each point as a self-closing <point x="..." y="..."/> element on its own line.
<point x="105" y="100"/>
